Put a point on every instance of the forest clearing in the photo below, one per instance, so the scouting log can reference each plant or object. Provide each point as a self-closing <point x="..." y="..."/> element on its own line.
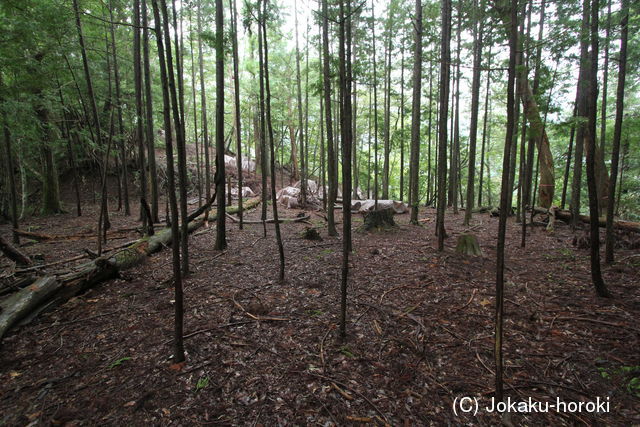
<point x="420" y="332"/>
<point x="327" y="212"/>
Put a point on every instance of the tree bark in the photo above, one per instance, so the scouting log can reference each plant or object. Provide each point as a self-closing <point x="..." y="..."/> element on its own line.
<point x="504" y="196"/>
<point x="221" y="237"/>
<point x="271" y="139"/>
<point x="236" y="93"/>
<point x="617" y="132"/>
<point x="596" y="274"/>
<point x="475" y="98"/>
<point x="415" y="114"/>
<point x="151" y="152"/>
<point x="331" y="160"/>
<point x="445" y="59"/>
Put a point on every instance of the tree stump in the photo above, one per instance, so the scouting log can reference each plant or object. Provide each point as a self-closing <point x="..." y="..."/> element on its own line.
<point x="379" y="220"/>
<point x="311" y="233"/>
<point x="468" y="245"/>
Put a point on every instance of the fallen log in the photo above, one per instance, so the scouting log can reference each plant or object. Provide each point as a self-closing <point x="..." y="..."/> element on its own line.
<point x="42" y="237"/>
<point x="12" y="253"/>
<point x="20" y="304"/>
<point x="271" y="221"/>
<point x="95" y="271"/>
<point x="565" y="215"/>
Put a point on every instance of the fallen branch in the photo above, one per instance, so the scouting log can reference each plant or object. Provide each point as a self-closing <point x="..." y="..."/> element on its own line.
<point x="565" y="216"/>
<point x="93" y="272"/>
<point x="12" y="253"/>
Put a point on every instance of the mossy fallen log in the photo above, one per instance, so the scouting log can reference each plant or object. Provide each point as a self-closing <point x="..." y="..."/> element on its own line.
<point x="23" y="302"/>
<point x="91" y="273"/>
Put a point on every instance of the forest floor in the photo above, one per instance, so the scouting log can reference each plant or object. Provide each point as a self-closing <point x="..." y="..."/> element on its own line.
<point x="420" y="332"/>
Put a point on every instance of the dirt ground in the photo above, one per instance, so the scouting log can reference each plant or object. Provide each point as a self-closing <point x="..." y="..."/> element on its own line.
<point x="420" y="332"/>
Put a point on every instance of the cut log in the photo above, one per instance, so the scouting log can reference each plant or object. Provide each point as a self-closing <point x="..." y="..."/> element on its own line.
<point x="91" y="273"/>
<point x="565" y="215"/>
<point x="12" y="253"/>
<point x="20" y="304"/>
<point x="468" y="245"/>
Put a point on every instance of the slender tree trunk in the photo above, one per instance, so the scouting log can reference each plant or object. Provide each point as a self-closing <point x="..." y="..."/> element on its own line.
<point x="415" y="114"/>
<point x="139" y="116"/>
<point x="203" y="108"/>
<point x="375" y="109"/>
<point x="195" y="113"/>
<point x="221" y="239"/>
<point x="401" y="114"/>
<point x="455" y="158"/>
<point x="484" y="127"/>
<point x="445" y="59"/>
<point x="387" y="109"/>
<point x="236" y="92"/>
<point x="583" y="83"/>
<point x="331" y="160"/>
<point x="96" y="119"/>
<point x="303" y="178"/>
<point x="263" y="137"/>
<point x="151" y="152"/>
<point x="180" y="141"/>
<point x="123" y="152"/>
<point x="594" y="212"/>
<point x="504" y="198"/>
<point x="569" y="153"/>
<point x="475" y="98"/>
<point x="178" y="347"/>
<point x="270" y="127"/>
<point x="617" y="132"/>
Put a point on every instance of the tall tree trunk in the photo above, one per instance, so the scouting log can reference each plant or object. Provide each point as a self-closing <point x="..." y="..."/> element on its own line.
<point x="236" y="93"/>
<point x="270" y="128"/>
<point x="123" y="152"/>
<point x="401" y="114"/>
<point x="565" y="181"/>
<point x="151" y="151"/>
<point x="455" y="158"/>
<point x="221" y="239"/>
<point x="387" y="108"/>
<point x="303" y="178"/>
<point x="617" y="131"/>
<point x="263" y="134"/>
<point x="331" y="160"/>
<point x="475" y="100"/>
<point x="195" y="114"/>
<point x="583" y="83"/>
<point x="547" y="179"/>
<point x="203" y="108"/>
<point x="96" y="119"/>
<point x="139" y="116"/>
<point x="10" y="167"/>
<point x="180" y="140"/>
<point x="415" y="114"/>
<point x="178" y="347"/>
<point x="485" y="120"/>
<point x="375" y="109"/>
<point x="594" y="212"/>
<point x="504" y="197"/>
<point x="445" y="59"/>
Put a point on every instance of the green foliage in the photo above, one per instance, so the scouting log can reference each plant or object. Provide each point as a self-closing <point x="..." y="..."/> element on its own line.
<point x="202" y="383"/>
<point x="119" y="362"/>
